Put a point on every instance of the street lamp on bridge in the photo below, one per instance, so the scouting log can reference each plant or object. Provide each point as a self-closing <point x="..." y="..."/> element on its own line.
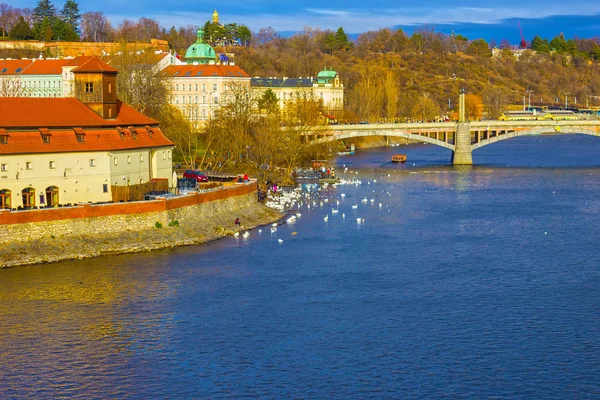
<point x="529" y="91"/>
<point x="566" y="100"/>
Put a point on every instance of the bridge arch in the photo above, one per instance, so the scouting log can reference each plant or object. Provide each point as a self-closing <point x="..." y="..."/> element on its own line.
<point x="557" y="129"/>
<point x="391" y="133"/>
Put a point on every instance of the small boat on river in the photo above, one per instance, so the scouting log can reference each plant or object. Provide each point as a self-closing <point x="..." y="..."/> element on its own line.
<point x="399" y="158"/>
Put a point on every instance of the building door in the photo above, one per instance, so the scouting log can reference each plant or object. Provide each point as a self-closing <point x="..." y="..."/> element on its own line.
<point x="28" y="197"/>
<point x="52" y="196"/>
<point x="4" y="198"/>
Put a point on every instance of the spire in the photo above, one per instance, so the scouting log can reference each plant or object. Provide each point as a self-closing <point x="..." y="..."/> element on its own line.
<point x="200" y="34"/>
<point x="215" y="17"/>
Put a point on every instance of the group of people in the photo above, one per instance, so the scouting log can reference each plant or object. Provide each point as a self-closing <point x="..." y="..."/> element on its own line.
<point x="327" y="172"/>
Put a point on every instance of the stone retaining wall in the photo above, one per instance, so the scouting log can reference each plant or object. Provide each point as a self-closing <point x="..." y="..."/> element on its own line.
<point x="102" y="219"/>
<point x="207" y="218"/>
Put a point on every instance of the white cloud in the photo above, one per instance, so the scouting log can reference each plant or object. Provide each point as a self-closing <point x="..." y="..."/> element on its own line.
<point x="332" y="13"/>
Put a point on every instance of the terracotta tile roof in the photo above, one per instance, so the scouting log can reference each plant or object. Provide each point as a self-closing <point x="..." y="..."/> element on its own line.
<point x="194" y="71"/>
<point x="35" y="112"/>
<point x="94" y="64"/>
<point x="12" y="67"/>
<point x="66" y="141"/>
<point x="74" y="62"/>
<point x="45" y="67"/>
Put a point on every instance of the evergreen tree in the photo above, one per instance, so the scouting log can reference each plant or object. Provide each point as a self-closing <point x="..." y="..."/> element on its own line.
<point x="21" y="30"/>
<point x="269" y="102"/>
<point x="71" y="15"/>
<point x="244" y="35"/>
<point x="44" y="9"/>
<point x="61" y="30"/>
<point x="596" y="53"/>
<point x="43" y="30"/>
<point x="479" y="48"/>
<point x="329" y="44"/>
<point x="559" y="44"/>
<point x="214" y="34"/>
<point x="341" y="40"/>
<point x="540" y="45"/>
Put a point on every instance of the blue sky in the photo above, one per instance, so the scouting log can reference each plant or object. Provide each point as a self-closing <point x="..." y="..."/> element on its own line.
<point x="484" y="18"/>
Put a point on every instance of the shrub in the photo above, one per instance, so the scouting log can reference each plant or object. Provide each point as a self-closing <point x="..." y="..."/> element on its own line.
<point x="158" y="225"/>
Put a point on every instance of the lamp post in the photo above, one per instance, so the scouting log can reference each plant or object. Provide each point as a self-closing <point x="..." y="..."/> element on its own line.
<point x="529" y="91"/>
<point x="566" y="100"/>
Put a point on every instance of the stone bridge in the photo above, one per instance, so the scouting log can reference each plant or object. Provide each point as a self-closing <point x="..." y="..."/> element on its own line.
<point x="462" y="137"/>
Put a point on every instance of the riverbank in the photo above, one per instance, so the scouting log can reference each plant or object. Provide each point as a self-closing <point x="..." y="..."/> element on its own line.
<point x="201" y="223"/>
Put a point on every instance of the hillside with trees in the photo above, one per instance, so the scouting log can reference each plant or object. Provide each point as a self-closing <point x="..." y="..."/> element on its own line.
<point x="389" y="75"/>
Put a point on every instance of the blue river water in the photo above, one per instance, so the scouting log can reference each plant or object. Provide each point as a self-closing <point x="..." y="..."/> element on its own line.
<point x="467" y="282"/>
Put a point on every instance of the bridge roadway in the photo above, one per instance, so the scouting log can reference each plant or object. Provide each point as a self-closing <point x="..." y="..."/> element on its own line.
<point x="462" y="137"/>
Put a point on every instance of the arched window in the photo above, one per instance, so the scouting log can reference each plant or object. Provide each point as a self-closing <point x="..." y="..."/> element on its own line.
<point x="5" y="198"/>
<point x="28" y="195"/>
<point x="52" y="196"/>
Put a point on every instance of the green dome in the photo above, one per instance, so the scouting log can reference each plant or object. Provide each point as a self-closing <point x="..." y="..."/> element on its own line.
<point x="199" y="52"/>
<point x="326" y="76"/>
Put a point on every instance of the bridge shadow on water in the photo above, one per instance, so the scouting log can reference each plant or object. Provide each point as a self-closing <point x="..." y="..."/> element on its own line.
<point x="539" y="151"/>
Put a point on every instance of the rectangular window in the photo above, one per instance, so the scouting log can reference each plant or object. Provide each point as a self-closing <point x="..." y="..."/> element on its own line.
<point x="52" y="164"/>
<point x="92" y="162"/>
<point x="128" y="159"/>
<point x="189" y="87"/>
<point x="89" y="87"/>
<point x="46" y="138"/>
<point x="109" y="87"/>
<point x="204" y="87"/>
<point x="177" y="86"/>
<point x="196" y="87"/>
<point x="214" y="86"/>
<point x="3" y="139"/>
<point x="116" y="161"/>
<point x="169" y="154"/>
<point x="80" y="137"/>
<point x="203" y="99"/>
<point x="3" y="167"/>
<point x="141" y="158"/>
<point x="105" y="188"/>
<point x="28" y="165"/>
<point x="164" y="155"/>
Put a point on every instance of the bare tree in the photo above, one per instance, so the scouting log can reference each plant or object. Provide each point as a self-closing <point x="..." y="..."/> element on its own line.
<point x="12" y="86"/>
<point x="8" y="18"/>
<point x="137" y="82"/>
<point x="425" y="109"/>
<point x="147" y="29"/>
<point x="266" y="35"/>
<point x="391" y="94"/>
<point x="177" y="128"/>
<point x="95" y="27"/>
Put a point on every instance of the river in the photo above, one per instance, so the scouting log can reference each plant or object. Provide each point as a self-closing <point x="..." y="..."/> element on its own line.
<point x="470" y="282"/>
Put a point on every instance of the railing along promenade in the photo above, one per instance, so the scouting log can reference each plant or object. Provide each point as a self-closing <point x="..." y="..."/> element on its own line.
<point x="460" y="137"/>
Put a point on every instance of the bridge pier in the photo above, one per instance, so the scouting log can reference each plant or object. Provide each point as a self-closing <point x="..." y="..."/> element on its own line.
<point x="462" y="145"/>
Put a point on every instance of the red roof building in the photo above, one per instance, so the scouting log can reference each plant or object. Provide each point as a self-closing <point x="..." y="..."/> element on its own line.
<point x="56" y="151"/>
